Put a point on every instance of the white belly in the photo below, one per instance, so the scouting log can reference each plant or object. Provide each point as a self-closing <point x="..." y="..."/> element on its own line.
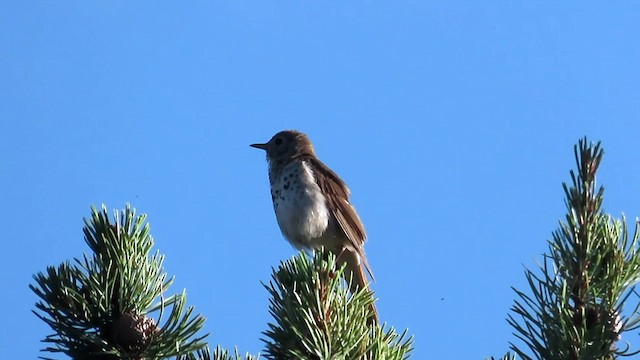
<point x="299" y="205"/>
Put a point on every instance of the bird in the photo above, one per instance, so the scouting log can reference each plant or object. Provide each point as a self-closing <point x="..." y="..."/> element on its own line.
<point x="312" y="205"/>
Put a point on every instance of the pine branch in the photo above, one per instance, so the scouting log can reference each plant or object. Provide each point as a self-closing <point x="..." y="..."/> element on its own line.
<point x="218" y="354"/>
<point x="99" y="306"/>
<point x="505" y="357"/>
<point x="317" y="318"/>
<point x="574" y="308"/>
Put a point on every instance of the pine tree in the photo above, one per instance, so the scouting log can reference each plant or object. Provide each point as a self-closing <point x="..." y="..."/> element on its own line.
<point x="112" y="305"/>
<point x="101" y="306"/>
<point x="576" y="305"/>
<point x="317" y="318"/>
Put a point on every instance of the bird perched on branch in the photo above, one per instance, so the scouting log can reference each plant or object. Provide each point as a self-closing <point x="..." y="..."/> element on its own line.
<point x="312" y="205"/>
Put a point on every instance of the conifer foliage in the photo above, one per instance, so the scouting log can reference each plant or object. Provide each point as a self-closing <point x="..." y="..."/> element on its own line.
<point x="101" y="306"/>
<point x="574" y="307"/>
<point x="317" y="318"/>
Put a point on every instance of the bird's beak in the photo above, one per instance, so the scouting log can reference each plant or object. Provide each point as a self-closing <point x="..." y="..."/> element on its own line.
<point x="259" y="146"/>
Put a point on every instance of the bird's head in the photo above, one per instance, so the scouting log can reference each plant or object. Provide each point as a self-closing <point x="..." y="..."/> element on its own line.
<point x="286" y="145"/>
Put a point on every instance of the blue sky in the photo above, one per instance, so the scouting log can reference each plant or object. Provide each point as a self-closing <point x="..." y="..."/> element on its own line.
<point x="452" y="122"/>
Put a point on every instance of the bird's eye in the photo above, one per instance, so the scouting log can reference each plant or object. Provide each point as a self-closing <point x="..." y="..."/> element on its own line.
<point x="278" y="141"/>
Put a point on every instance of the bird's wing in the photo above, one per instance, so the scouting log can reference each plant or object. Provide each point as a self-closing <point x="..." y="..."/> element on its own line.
<point x="338" y="202"/>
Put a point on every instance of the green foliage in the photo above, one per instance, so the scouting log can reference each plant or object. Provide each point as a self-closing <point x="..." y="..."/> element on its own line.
<point x="317" y="318"/>
<point x="99" y="306"/>
<point x="578" y="293"/>
<point x="218" y="354"/>
<point x="505" y="357"/>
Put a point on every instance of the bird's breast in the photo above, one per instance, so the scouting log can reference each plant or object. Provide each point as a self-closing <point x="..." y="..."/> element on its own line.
<point x="299" y="204"/>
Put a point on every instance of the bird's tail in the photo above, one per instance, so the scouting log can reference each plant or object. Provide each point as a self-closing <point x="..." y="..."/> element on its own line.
<point x="355" y="273"/>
